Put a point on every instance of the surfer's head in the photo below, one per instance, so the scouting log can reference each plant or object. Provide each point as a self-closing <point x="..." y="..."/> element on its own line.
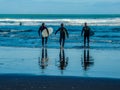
<point x="62" y="24"/>
<point x="43" y="24"/>
<point x="85" y="24"/>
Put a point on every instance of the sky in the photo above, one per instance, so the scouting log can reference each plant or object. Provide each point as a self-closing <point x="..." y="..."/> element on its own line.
<point x="59" y="6"/>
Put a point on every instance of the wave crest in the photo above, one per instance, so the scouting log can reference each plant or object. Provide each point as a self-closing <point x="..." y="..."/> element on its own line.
<point x="100" y="22"/>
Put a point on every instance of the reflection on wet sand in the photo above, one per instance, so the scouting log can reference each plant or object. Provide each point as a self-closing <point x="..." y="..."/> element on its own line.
<point x="87" y="60"/>
<point x="63" y="61"/>
<point x="43" y="61"/>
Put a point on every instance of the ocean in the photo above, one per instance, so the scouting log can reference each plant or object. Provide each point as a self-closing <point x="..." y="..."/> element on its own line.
<point x="21" y="52"/>
<point x="106" y="28"/>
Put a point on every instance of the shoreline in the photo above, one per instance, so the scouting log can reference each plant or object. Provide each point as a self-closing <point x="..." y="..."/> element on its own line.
<point x="73" y="47"/>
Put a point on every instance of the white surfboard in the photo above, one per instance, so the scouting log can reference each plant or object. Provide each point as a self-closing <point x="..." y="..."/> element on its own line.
<point x="45" y="34"/>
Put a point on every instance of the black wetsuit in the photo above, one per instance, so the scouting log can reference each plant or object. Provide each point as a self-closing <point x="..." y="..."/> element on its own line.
<point x="63" y="34"/>
<point x="86" y="31"/>
<point x="43" y="38"/>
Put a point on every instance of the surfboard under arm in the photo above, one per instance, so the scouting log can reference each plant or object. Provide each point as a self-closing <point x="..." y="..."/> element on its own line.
<point x="45" y="33"/>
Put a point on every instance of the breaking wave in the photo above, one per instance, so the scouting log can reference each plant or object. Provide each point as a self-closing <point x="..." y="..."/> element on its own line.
<point x="99" y="22"/>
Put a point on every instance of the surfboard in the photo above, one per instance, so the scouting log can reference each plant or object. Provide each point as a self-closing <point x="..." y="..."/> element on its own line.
<point x="44" y="32"/>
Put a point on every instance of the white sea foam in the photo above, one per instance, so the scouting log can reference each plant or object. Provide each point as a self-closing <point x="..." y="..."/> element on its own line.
<point x="100" y="22"/>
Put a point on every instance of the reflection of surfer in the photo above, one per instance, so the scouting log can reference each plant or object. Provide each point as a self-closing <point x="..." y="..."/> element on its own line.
<point x="86" y="31"/>
<point x="43" y="62"/>
<point x="40" y="31"/>
<point x="63" y="34"/>
<point x="63" y="61"/>
<point x="87" y="60"/>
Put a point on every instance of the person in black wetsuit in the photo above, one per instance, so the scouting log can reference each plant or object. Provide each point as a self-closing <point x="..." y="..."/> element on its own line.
<point x="63" y="34"/>
<point x="44" y="39"/>
<point x="86" y="31"/>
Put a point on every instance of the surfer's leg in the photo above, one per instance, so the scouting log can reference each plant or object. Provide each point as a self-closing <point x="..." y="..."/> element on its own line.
<point x="85" y="41"/>
<point x="88" y="40"/>
<point x="46" y="40"/>
<point x="63" y="42"/>
<point x="42" y="41"/>
<point x="60" y="41"/>
<point x="46" y="56"/>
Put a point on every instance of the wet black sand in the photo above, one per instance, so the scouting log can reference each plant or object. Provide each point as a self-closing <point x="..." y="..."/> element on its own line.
<point x="32" y="82"/>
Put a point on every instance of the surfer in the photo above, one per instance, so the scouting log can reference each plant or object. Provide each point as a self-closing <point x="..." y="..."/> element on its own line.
<point x="63" y="34"/>
<point x="44" y="39"/>
<point x="86" y="31"/>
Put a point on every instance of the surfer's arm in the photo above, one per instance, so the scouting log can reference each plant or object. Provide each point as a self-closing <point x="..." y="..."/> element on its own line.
<point x="57" y="31"/>
<point x="39" y="31"/>
<point x="47" y="30"/>
<point x="82" y="31"/>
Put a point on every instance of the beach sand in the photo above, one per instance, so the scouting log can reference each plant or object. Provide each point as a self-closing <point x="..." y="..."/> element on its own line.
<point x="20" y="69"/>
<point x="27" y="82"/>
